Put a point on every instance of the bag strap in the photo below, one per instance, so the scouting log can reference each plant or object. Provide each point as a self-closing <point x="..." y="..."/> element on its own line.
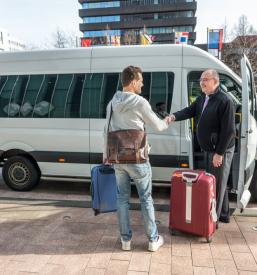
<point x="109" y="119"/>
<point x="111" y="112"/>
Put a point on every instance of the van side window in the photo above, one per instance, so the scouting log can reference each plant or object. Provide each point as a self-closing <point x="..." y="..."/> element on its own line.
<point x="97" y="93"/>
<point x="158" y="90"/>
<point x="227" y="84"/>
<point x="29" y="98"/>
<point x="60" y="94"/>
<point x="5" y="95"/>
<point x="194" y="89"/>
<point x="72" y="106"/>
<point x="43" y="100"/>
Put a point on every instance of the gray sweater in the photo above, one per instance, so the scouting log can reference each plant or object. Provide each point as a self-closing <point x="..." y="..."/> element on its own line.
<point x="131" y="111"/>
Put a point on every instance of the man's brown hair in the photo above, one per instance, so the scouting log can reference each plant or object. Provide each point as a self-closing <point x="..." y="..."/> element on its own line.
<point x="129" y="74"/>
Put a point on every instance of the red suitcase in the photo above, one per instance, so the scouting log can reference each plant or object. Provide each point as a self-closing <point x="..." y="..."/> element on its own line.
<point x="193" y="203"/>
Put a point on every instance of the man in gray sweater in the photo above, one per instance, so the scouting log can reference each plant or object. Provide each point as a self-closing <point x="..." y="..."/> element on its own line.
<point x="132" y="111"/>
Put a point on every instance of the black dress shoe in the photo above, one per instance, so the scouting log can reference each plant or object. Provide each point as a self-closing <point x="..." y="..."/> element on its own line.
<point x="224" y="220"/>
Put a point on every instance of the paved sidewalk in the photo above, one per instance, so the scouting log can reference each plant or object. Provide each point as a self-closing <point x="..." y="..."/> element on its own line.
<point x="38" y="238"/>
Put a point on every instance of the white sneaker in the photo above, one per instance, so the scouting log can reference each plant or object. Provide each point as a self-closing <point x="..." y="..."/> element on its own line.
<point x="155" y="245"/>
<point x="126" y="245"/>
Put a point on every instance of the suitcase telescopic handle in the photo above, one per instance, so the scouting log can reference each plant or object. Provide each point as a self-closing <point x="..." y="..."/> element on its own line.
<point x="189" y="177"/>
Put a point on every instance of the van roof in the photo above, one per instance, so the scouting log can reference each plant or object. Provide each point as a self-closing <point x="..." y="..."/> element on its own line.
<point x="78" y="59"/>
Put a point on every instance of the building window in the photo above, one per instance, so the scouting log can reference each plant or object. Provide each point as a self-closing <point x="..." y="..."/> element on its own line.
<point x="101" y="19"/>
<point x="102" y="33"/>
<point x="101" y="5"/>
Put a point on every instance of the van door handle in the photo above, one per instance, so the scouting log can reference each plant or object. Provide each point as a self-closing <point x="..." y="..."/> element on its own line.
<point x="250" y="131"/>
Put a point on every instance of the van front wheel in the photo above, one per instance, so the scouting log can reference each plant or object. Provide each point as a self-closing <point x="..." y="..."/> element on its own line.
<point x="20" y="174"/>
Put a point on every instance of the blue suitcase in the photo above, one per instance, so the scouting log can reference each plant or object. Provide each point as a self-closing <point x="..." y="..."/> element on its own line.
<point x="103" y="189"/>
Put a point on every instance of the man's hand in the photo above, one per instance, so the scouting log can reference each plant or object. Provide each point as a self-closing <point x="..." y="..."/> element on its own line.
<point x="105" y="161"/>
<point x="173" y="118"/>
<point x="217" y="160"/>
<point x="169" y="119"/>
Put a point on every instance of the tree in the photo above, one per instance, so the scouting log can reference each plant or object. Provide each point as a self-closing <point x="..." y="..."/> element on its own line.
<point x="226" y="34"/>
<point x="244" y="42"/>
<point x="243" y="27"/>
<point x="62" y="39"/>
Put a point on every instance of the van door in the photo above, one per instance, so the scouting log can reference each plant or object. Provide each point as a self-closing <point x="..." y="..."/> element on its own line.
<point x="248" y="135"/>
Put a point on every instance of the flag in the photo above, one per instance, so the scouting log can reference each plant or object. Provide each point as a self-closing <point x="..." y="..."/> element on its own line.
<point x="115" y="40"/>
<point x="145" y="39"/>
<point x="85" y="42"/>
<point x="181" y="37"/>
<point x="215" y="38"/>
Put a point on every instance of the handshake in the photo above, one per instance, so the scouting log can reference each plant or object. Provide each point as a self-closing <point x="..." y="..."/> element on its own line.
<point x="169" y="119"/>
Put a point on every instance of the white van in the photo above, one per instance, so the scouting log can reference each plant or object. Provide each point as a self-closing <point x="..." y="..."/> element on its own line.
<point x="53" y="108"/>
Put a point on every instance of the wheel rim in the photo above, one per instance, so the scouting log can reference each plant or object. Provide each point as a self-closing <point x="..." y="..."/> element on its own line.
<point x="19" y="173"/>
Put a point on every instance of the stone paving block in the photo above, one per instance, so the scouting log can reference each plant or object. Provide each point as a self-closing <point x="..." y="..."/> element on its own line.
<point x="245" y="261"/>
<point x="99" y="260"/>
<point x="181" y="265"/>
<point x="219" y="237"/>
<point x="159" y="269"/>
<point x="14" y="266"/>
<point x="232" y="226"/>
<point x="94" y="271"/>
<point x="247" y="226"/>
<point x="233" y="234"/>
<point x="246" y="219"/>
<point x="221" y="251"/>
<point x="225" y="267"/>
<point x="250" y="237"/>
<point x="199" y="244"/>
<point x="162" y="256"/>
<point x="137" y="273"/>
<point x="121" y="255"/>
<point x="112" y="230"/>
<point x="238" y="245"/>
<point x="117" y="267"/>
<point x="181" y="249"/>
<point x="202" y="257"/>
<point x="107" y="243"/>
<point x="247" y="273"/>
<point x="139" y="244"/>
<point x="71" y="262"/>
<point x="199" y="270"/>
<point x="53" y="269"/>
<point x="253" y="249"/>
<point x="140" y="261"/>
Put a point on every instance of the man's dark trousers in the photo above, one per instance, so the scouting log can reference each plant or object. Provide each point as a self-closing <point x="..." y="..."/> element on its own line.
<point x="221" y="174"/>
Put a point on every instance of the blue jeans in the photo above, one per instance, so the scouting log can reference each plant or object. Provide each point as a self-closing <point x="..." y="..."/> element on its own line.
<point x="142" y="177"/>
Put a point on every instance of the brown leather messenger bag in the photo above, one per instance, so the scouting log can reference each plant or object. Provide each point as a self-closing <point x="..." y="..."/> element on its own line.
<point x="126" y="146"/>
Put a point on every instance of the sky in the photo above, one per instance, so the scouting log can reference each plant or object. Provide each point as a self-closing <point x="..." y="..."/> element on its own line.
<point x="35" y="22"/>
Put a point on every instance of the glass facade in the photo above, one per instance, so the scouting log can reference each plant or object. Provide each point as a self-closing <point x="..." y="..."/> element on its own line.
<point x="125" y="21"/>
<point x="101" y="5"/>
<point x="101" y="19"/>
<point x="102" y="33"/>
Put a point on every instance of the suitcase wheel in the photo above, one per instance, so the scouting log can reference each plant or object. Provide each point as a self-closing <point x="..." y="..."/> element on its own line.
<point x="209" y="239"/>
<point x="174" y="232"/>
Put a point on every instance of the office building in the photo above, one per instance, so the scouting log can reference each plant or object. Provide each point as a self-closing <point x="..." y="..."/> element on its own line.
<point x="114" y="22"/>
<point x="10" y="43"/>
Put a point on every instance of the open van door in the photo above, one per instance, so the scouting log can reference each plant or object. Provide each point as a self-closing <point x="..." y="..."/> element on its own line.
<point x="248" y="135"/>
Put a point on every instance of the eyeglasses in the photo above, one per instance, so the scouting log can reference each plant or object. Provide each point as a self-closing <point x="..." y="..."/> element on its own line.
<point x="205" y="79"/>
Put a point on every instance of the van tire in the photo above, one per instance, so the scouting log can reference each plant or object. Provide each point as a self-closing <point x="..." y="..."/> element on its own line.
<point x="20" y="173"/>
<point x="253" y="186"/>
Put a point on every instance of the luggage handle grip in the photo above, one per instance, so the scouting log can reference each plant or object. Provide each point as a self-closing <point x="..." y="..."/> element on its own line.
<point x="189" y="177"/>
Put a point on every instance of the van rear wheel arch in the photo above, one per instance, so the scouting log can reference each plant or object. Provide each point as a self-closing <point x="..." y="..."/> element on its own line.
<point x="21" y="172"/>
